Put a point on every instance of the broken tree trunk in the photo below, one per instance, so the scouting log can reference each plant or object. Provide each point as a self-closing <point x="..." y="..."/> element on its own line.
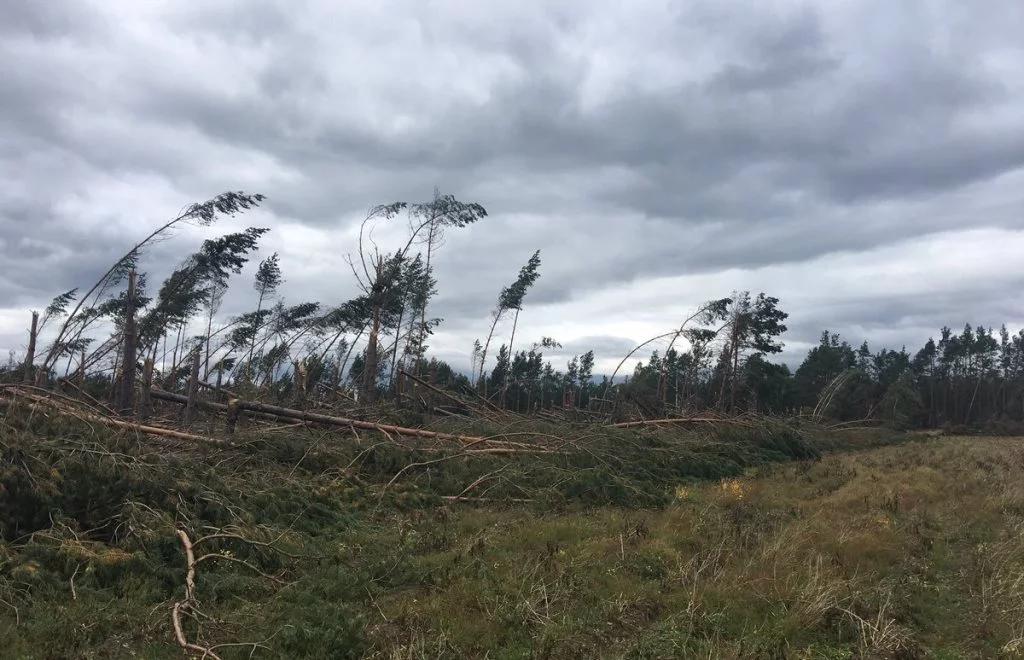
<point x="371" y="359"/>
<point x="193" y="390"/>
<point x="299" y="377"/>
<point x="232" y="418"/>
<point x="30" y="355"/>
<point x="126" y="391"/>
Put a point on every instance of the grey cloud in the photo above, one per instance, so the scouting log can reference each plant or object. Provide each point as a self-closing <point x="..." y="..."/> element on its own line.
<point x="625" y="144"/>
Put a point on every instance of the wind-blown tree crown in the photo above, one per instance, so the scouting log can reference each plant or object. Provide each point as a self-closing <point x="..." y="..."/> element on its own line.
<point x="512" y="296"/>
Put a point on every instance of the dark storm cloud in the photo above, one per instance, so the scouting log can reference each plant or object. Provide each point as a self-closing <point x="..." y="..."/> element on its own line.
<point x="627" y="144"/>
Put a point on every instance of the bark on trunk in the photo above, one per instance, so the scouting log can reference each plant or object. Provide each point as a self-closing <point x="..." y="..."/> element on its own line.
<point x="511" y="354"/>
<point x="126" y="392"/>
<point x="193" y="390"/>
<point x="370" y="363"/>
<point x="146" y="400"/>
<point x="30" y="355"/>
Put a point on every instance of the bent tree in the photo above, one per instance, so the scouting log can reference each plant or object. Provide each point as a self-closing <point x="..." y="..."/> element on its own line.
<point x="379" y="275"/>
<point x="510" y="298"/>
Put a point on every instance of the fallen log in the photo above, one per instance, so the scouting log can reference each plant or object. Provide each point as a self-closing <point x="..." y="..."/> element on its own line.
<point x="443" y="393"/>
<point x="344" y="422"/>
<point x="461" y="498"/>
<point x="677" y="420"/>
<point x="174" y="397"/>
<point x="67" y="382"/>
<point x="356" y="423"/>
<point x="216" y="388"/>
<point x="448" y="413"/>
<point x="40" y="403"/>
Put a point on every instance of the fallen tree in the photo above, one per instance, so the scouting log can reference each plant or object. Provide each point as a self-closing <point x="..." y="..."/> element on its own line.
<point x="678" y="420"/>
<point x="344" y="422"/>
<point x="37" y="402"/>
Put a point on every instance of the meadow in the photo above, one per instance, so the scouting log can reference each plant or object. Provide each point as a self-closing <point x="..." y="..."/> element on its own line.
<point x="650" y="543"/>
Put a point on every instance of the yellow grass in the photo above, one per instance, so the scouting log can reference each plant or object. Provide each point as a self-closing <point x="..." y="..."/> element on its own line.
<point x="906" y="551"/>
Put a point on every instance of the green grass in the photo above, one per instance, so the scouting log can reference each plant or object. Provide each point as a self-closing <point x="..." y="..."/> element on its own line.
<point x="738" y="543"/>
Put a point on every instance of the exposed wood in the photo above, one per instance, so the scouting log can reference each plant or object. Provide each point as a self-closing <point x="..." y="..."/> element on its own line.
<point x="299" y="378"/>
<point x="30" y="355"/>
<point x="371" y="358"/>
<point x="232" y="418"/>
<point x="42" y="373"/>
<point x="189" y="601"/>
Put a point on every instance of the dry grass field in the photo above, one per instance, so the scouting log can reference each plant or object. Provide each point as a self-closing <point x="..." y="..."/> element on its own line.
<point x="913" y="549"/>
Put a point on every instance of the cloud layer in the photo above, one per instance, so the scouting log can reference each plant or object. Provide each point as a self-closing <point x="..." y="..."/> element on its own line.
<point x="862" y="161"/>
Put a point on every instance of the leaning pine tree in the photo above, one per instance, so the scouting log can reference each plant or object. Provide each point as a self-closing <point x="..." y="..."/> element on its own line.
<point x="511" y="298"/>
<point x="268" y="279"/>
<point x="380" y="273"/>
<point x="433" y="218"/>
<point x="83" y="314"/>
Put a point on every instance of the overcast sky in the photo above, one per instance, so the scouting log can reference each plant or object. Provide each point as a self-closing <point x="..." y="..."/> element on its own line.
<point x="861" y="161"/>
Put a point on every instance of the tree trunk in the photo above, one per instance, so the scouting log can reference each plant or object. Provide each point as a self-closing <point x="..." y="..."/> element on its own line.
<point x="733" y="373"/>
<point x="126" y="392"/>
<point x="193" y="389"/>
<point x="370" y="363"/>
<point x="232" y="418"/>
<point x="394" y="352"/>
<point x="174" y="358"/>
<point x="726" y="365"/>
<point x="423" y="310"/>
<point x="299" y="376"/>
<point x="348" y="354"/>
<point x="511" y="355"/>
<point x="30" y="355"/>
<point x="209" y="329"/>
<point x="115" y="379"/>
<point x="146" y="401"/>
<point x="81" y="369"/>
<point x="481" y="382"/>
<point x="255" y="329"/>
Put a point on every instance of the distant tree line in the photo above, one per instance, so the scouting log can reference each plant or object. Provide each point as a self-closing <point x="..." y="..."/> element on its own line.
<point x="974" y="378"/>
